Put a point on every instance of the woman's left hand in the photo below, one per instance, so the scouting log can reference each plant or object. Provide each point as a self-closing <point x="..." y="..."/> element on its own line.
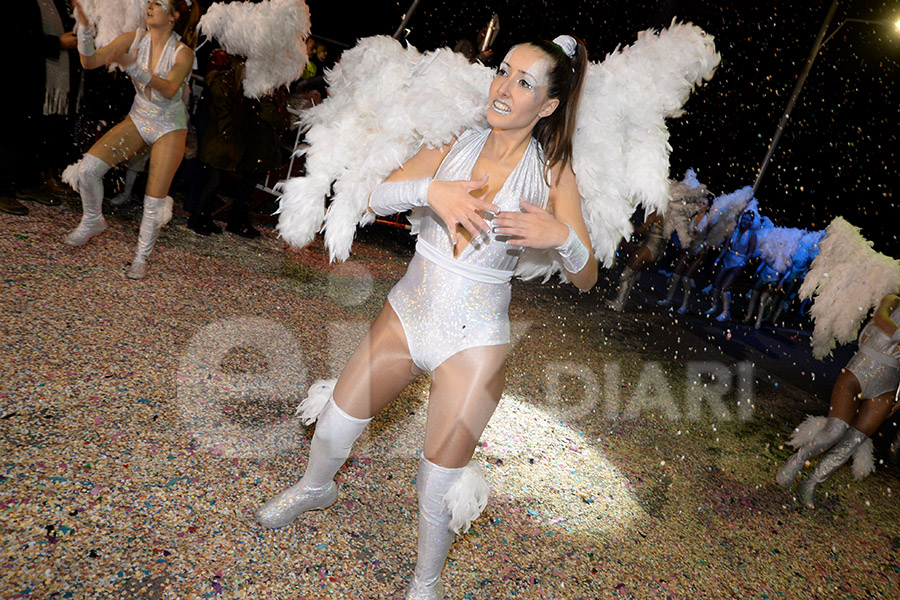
<point x="534" y="227"/>
<point x="124" y="59"/>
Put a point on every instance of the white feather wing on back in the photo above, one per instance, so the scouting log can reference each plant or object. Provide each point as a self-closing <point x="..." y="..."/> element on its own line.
<point x="846" y="280"/>
<point x="271" y="34"/>
<point x="384" y="104"/>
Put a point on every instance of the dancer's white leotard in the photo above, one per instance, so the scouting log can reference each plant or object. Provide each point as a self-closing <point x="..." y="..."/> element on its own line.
<point x="736" y="256"/>
<point x="157" y="115"/>
<point x="877" y="371"/>
<point x="448" y="304"/>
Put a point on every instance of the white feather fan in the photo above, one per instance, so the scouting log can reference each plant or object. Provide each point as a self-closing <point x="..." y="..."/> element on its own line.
<point x="687" y="197"/>
<point x="621" y="148"/>
<point x="846" y="280"/>
<point x="384" y="105"/>
<point x="778" y="245"/>
<point x="270" y="34"/>
<point x="724" y="212"/>
<point x="112" y="18"/>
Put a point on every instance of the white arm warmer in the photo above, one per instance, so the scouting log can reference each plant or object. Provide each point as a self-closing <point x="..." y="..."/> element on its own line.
<point x="393" y="197"/>
<point x="85" y="37"/>
<point x="573" y="253"/>
<point x="140" y="75"/>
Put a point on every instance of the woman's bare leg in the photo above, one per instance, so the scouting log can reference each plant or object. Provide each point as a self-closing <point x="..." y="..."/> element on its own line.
<point x="165" y="156"/>
<point x="377" y="371"/>
<point x="465" y="392"/>
<point x="86" y="176"/>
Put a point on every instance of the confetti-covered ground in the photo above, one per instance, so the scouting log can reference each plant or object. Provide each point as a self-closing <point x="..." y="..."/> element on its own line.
<point x="143" y="422"/>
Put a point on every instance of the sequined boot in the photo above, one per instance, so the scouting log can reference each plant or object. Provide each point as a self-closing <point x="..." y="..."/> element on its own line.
<point x="714" y="295"/>
<point x="157" y="212"/>
<point x="670" y="292"/>
<point x="687" y="285"/>
<point x="725" y="315"/>
<point x="831" y="462"/>
<point x="822" y="441"/>
<point x="435" y="536"/>
<point x="86" y="178"/>
<point x="335" y="433"/>
<point x="626" y="282"/>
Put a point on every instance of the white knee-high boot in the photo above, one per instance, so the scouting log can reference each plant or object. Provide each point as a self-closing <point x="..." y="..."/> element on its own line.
<point x="435" y="536"/>
<point x="839" y="454"/>
<point x="626" y="281"/>
<point x="157" y="212"/>
<point x="670" y="291"/>
<point x="335" y="433"/>
<point x="687" y="284"/>
<point x="86" y="178"/>
<point x="814" y="436"/>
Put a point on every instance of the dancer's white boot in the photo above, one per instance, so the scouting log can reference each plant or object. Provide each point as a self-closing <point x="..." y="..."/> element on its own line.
<point x="86" y="178"/>
<point x="335" y="433"/>
<point x="157" y="212"/>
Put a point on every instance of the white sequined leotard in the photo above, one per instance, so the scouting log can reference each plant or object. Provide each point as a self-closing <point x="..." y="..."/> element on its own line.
<point x="448" y="304"/>
<point x="156" y="115"/>
<point x="876" y="369"/>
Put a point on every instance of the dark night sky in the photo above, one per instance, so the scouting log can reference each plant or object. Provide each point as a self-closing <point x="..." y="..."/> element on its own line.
<point x="838" y="154"/>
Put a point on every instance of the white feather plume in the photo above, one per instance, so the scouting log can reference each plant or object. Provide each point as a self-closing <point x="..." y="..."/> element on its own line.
<point x="806" y="431"/>
<point x="723" y="214"/>
<point x="620" y="147"/>
<point x="112" y="18"/>
<point x="778" y="245"/>
<point x="370" y="125"/>
<point x="864" y="460"/>
<point x="467" y="497"/>
<point x="271" y="34"/>
<point x="688" y="196"/>
<point x="846" y="280"/>
<point x="316" y="399"/>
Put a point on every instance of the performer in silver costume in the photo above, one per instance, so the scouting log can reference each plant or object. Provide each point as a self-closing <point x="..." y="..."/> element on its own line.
<point x="646" y="254"/>
<point x="485" y="197"/>
<point x="733" y="256"/>
<point x="690" y="261"/>
<point x="158" y="118"/>
<point x="862" y="398"/>
<point x="763" y="290"/>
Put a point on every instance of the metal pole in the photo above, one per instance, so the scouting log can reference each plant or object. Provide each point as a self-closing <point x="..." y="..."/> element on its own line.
<point x="406" y="19"/>
<point x="796" y="93"/>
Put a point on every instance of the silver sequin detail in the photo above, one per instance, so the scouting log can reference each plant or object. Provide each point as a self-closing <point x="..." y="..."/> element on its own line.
<point x="157" y="115"/>
<point x="445" y="312"/>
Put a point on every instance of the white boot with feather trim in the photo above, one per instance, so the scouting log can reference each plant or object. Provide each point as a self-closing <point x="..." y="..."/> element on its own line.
<point x="335" y="433"/>
<point x="449" y="500"/>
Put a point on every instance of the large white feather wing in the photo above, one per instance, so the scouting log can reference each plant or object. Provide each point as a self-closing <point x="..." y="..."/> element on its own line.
<point x="778" y="245"/>
<point x="112" y="18"/>
<point x="384" y="103"/>
<point x="846" y="280"/>
<point x="621" y="148"/>
<point x="270" y="34"/>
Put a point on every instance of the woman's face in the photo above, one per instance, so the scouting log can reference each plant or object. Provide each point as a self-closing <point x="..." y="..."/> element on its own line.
<point x="160" y="12"/>
<point x="518" y="94"/>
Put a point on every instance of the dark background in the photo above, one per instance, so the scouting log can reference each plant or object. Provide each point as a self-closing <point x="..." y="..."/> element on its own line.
<point x="838" y="153"/>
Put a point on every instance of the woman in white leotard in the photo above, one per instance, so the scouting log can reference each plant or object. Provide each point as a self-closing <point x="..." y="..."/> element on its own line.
<point x="484" y="197"/>
<point x="159" y="65"/>
<point x="863" y="397"/>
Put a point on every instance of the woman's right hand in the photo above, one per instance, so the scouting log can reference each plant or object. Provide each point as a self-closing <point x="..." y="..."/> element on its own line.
<point x="454" y="203"/>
